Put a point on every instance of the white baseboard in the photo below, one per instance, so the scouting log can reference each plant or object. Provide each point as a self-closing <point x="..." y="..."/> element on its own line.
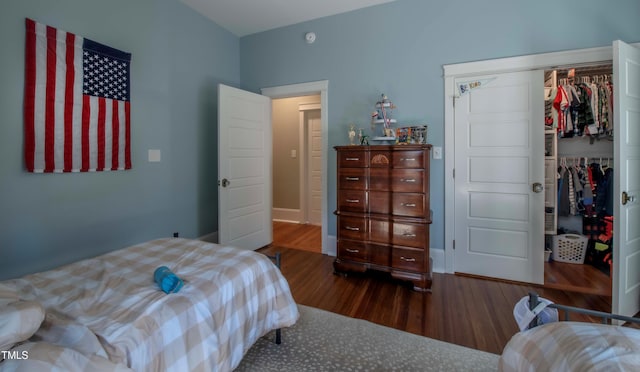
<point x="438" y="260"/>
<point x="332" y="246"/>
<point x="287" y="221"/>
<point x="286" y="215"/>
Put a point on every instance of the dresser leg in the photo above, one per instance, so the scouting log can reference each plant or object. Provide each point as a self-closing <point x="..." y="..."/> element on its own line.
<point x="422" y="286"/>
<point x="344" y="266"/>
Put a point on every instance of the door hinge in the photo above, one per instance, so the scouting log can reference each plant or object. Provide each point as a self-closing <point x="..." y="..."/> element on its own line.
<point x="454" y="173"/>
<point x="454" y="244"/>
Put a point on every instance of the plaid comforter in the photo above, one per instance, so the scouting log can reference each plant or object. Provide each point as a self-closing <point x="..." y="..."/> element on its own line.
<point x="110" y="308"/>
<point x="573" y="346"/>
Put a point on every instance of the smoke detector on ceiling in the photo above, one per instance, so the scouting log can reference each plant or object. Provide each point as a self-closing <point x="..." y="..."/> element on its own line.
<point x="310" y="37"/>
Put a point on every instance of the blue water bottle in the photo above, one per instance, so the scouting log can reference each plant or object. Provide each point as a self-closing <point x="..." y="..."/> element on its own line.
<point x="167" y="280"/>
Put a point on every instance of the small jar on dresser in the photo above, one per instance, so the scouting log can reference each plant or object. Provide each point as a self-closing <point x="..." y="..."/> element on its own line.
<point x="383" y="211"/>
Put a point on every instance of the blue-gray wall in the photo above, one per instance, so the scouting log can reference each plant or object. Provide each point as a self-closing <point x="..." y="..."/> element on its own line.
<point x="178" y="58"/>
<point x="399" y="49"/>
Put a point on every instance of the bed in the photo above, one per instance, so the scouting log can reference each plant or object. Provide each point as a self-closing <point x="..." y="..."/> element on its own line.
<point x="573" y="346"/>
<point x="108" y="314"/>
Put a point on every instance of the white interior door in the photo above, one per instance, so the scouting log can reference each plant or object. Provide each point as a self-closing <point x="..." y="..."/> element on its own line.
<point x="314" y="167"/>
<point x="499" y="156"/>
<point x="626" y="235"/>
<point x="244" y="166"/>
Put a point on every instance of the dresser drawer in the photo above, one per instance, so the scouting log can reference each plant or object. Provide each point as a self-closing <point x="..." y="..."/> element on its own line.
<point x="408" y="259"/>
<point x="380" y="254"/>
<point x="353" y="250"/>
<point x="352" y="159"/>
<point x="379" y="202"/>
<point x="352" y="201"/>
<point x="353" y="179"/>
<point x="379" y="230"/>
<point x="408" y="159"/>
<point x="410" y="234"/>
<point x="379" y="179"/>
<point x="407" y="180"/>
<point x="354" y="228"/>
<point x="408" y="204"/>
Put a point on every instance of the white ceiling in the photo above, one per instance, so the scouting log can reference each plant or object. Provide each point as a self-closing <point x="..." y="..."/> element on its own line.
<point x="245" y="17"/>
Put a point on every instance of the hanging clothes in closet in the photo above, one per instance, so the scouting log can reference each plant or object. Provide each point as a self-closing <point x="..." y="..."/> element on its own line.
<point x="585" y="188"/>
<point x="582" y="106"/>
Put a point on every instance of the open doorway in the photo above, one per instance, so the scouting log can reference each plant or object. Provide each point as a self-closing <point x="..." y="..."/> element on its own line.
<point x="297" y="159"/>
<point x="297" y="172"/>
<point x="306" y="89"/>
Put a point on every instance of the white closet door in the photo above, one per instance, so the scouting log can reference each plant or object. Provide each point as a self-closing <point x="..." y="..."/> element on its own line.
<point x="626" y="235"/>
<point x="499" y="159"/>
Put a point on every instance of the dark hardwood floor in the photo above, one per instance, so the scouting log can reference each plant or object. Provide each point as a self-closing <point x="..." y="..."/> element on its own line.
<point x="472" y="312"/>
<point x="576" y="278"/>
<point x="557" y="275"/>
<point x="299" y="236"/>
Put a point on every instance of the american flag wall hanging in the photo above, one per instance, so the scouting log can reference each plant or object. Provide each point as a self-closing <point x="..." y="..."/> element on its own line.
<point x="76" y="103"/>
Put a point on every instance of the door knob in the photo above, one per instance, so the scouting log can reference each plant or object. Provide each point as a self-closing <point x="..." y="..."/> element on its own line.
<point x="627" y="198"/>
<point x="537" y="187"/>
<point x="225" y="182"/>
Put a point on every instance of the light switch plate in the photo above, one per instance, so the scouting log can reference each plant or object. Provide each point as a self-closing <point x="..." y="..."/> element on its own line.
<point x="437" y="152"/>
<point x="154" y="156"/>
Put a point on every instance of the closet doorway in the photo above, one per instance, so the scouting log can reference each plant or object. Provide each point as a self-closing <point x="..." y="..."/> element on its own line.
<point x="469" y="77"/>
<point x="579" y="166"/>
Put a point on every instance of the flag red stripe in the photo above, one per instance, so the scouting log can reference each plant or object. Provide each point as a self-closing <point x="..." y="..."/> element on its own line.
<point x="115" y="135"/>
<point x="86" y="116"/>
<point x="127" y="135"/>
<point x="101" y="134"/>
<point x="50" y="100"/>
<point x="30" y="95"/>
<point x="68" y="104"/>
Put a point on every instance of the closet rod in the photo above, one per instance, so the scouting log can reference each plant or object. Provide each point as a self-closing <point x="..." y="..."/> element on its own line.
<point x="584" y="160"/>
<point x="587" y="71"/>
<point x="590" y="156"/>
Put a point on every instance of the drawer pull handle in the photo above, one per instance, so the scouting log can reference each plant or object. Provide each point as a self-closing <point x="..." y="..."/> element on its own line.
<point x="352" y="250"/>
<point x="407" y="159"/>
<point x="352" y="178"/>
<point x="408" y="259"/>
<point x="352" y="159"/>
<point x="411" y="205"/>
<point x="409" y="180"/>
<point x="353" y="201"/>
<point x="352" y="228"/>
<point x="409" y="235"/>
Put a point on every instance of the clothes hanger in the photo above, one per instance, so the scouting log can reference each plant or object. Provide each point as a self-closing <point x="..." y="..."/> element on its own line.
<point x="600" y="166"/>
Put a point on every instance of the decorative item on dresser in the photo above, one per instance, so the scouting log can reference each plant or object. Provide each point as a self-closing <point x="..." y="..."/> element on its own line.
<point x="383" y="211"/>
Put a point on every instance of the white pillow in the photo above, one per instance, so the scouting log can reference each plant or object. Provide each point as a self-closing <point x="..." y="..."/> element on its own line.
<point x="19" y="320"/>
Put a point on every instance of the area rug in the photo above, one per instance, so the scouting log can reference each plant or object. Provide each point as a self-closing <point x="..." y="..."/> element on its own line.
<point x="324" y="341"/>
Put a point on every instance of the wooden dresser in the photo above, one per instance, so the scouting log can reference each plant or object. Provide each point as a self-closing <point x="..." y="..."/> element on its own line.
<point x="383" y="211"/>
